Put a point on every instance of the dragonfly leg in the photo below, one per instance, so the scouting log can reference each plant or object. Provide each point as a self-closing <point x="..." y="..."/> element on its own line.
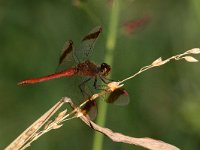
<point x="105" y="80"/>
<point x="99" y="87"/>
<point x="95" y="83"/>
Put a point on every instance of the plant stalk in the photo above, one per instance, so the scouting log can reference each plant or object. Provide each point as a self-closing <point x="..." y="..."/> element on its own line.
<point x="110" y="46"/>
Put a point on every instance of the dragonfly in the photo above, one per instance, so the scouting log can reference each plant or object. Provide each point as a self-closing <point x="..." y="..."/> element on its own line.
<point x="76" y="62"/>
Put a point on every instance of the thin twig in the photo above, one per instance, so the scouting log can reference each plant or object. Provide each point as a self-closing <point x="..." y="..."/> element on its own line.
<point x="159" y="62"/>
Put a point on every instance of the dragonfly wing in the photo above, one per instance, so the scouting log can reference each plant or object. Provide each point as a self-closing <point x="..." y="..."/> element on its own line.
<point x="90" y="109"/>
<point x="87" y="91"/>
<point x="66" y="59"/>
<point x="86" y="47"/>
<point x="118" y="97"/>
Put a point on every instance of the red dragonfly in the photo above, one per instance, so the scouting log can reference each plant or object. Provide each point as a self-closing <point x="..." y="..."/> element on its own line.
<point x="83" y="67"/>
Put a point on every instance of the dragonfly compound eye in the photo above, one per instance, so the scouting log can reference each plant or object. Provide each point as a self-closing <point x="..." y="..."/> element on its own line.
<point x="105" y="69"/>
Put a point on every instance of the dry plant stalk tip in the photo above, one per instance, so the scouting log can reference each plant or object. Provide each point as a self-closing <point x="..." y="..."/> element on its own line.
<point x="159" y="62"/>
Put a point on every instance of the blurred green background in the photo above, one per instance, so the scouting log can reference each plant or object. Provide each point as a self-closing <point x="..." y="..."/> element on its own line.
<point x="165" y="102"/>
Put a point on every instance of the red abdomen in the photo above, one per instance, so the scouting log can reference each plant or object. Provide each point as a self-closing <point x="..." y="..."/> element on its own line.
<point x="69" y="72"/>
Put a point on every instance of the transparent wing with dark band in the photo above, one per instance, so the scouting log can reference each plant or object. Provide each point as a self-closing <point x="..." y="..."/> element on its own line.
<point x="118" y="97"/>
<point x="87" y="45"/>
<point x="66" y="59"/>
<point x="90" y="109"/>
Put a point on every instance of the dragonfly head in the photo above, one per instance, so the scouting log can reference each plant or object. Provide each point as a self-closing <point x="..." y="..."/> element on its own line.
<point x="105" y="69"/>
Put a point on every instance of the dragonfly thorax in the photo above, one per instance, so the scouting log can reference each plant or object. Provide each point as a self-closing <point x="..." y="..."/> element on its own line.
<point x="88" y="68"/>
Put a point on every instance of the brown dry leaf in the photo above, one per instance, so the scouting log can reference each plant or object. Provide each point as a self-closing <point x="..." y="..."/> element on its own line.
<point x="118" y="137"/>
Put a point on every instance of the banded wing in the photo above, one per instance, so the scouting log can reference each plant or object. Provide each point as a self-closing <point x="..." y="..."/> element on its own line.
<point x="91" y="107"/>
<point x="118" y="97"/>
<point x="81" y="54"/>
<point x="90" y="110"/>
<point x="87" y="45"/>
<point x="66" y="59"/>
